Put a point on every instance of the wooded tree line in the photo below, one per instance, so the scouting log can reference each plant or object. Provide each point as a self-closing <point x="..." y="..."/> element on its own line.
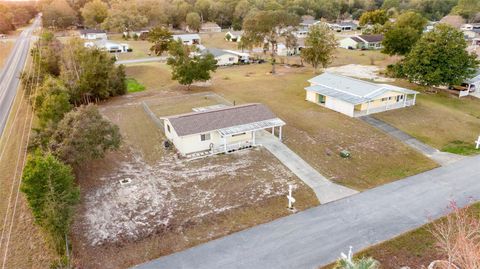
<point x="14" y="14"/>
<point x="122" y="15"/>
<point x="70" y="130"/>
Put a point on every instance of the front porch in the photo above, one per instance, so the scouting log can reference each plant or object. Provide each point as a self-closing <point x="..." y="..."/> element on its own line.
<point x="388" y="106"/>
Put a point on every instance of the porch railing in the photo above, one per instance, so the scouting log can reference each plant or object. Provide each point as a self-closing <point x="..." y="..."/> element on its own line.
<point x="384" y="108"/>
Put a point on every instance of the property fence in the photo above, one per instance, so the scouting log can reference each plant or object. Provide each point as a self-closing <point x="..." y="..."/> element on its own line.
<point x="152" y="116"/>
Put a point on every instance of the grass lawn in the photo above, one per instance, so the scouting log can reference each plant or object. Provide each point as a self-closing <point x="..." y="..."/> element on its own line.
<point x="217" y="40"/>
<point x="134" y="86"/>
<point x="415" y="249"/>
<point x="153" y="76"/>
<point x="172" y="204"/>
<point x="315" y="133"/>
<point x="440" y="120"/>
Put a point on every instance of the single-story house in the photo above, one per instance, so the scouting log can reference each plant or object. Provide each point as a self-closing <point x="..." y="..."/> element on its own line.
<point x="473" y="83"/>
<point x="188" y="39"/>
<point x="233" y="36"/>
<point x="362" y="42"/>
<point x="343" y="26"/>
<point x="142" y="34"/>
<point x="109" y="46"/>
<point x="282" y="49"/>
<point x="210" y="27"/>
<point x="223" y="57"/>
<point x="219" y="129"/>
<point x="243" y="57"/>
<point x="354" y="97"/>
<point x="306" y="23"/>
<point x="92" y="34"/>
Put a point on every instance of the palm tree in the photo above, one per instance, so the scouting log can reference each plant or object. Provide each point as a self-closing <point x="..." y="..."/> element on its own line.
<point x="363" y="263"/>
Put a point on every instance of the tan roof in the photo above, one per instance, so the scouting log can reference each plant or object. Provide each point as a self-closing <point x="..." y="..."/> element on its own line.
<point x="453" y="20"/>
<point x="206" y="121"/>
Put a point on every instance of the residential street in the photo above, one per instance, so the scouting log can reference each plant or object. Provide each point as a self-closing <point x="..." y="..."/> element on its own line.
<point x="9" y="78"/>
<point x="317" y="236"/>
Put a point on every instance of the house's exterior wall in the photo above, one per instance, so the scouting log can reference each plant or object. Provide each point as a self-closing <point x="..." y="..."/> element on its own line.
<point x="375" y="45"/>
<point x="311" y="96"/>
<point x="93" y="36"/>
<point x="227" y="59"/>
<point x="348" y="42"/>
<point x="340" y="106"/>
<point x="389" y="98"/>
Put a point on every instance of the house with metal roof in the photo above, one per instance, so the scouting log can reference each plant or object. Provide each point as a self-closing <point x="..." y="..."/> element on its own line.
<point x="362" y="42"/>
<point x="223" y="57"/>
<point x="343" y="26"/>
<point x="219" y="129"/>
<point x="92" y="34"/>
<point x="188" y="39"/>
<point x="354" y="97"/>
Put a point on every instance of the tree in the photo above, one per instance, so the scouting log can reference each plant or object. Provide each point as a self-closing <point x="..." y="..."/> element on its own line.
<point x="6" y="20"/>
<point x="124" y="15"/>
<point x="83" y="135"/>
<point x="193" y="21"/>
<point x="51" y="102"/>
<point x="440" y="58"/>
<point x="267" y="27"/>
<point x="94" y="13"/>
<point x="58" y="14"/>
<point x="468" y="9"/>
<point x="187" y="68"/>
<point x="205" y="9"/>
<point x="161" y="38"/>
<point x="401" y="35"/>
<point x="90" y="74"/>
<point x="51" y="194"/>
<point x="388" y="4"/>
<point x="320" y="45"/>
<point x="378" y="16"/>
<point x="363" y="263"/>
<point x="47" y="54"/>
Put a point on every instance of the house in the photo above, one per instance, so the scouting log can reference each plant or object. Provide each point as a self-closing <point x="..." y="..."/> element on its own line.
<point x="188" y="39"/>
<point x="354" y="97"/>
<point x="308" y="22"/>
<point x="218" y="129"/>
<point x="109" y="46"/>
<point x="234" y="36"/>
<point x="362" y="42"/>
<point x="210" y="27"/>
<point x="282" y="49"/>
<point x="243" y="57"/>
<point x="223" y="57"/>
<point x="343" y="26"/>
<point x="473" y="83"/>
<point x="92" y="34"/>
<point x="141" y="34"/>
<point x="470" y="26"/>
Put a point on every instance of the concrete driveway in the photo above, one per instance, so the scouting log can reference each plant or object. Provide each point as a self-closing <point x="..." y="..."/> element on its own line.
<point x="325" y="190"/>
<point x="316" y="237"/>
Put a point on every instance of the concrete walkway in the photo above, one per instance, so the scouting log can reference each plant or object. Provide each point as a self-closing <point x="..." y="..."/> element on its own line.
<point x="442" y="158"/>
<point x="316" y="237"/>
<point x="325" y="190"/>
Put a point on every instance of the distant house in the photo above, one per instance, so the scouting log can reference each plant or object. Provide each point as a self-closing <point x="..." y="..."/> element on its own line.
<point x="473" y="83"/>
<point x="210" y="27"/>
<point x="188" y="39"/>
<point x="107" y="45"/>
<point x="92" y="34"/>
<point x="141" y="34"/>
<point x="223" y="57"/>
<point x="219" y="129"/>
<point x="362" y="42"/>
<point x="233" y="36"/>
<point x="343" y="26"/>
<point x="243" y="57"/>
<point x="354" y="97"/>
<point x="306" y="23"/>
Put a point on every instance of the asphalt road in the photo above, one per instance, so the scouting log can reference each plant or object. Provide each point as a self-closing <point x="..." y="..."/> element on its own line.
<point x="317" y="236"/>
<point x="10" y="76"/>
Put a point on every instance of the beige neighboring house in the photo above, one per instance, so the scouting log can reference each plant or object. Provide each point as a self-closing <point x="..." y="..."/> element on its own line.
<point x="210" y="27"/>
<point x="188" y="39"/>
<point x="219" y="129"/>
<point x="354" y="97"/>
<point x="371" y="42"/>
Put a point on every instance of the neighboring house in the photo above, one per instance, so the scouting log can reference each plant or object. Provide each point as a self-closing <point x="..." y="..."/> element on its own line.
<point x="243" y="57"/>
<point x="108" y="46"/>
<point x="142" y="34"/>
<point x="223" y="57"/>
<point x="343" y="26"/>
<point x="471" y="34"/>
<point x="210" y="27"/>
<point x="354" y="97"/>
<point x="219" y="129"/>
<point x="473" y="83"/>
<point x="362" y="42"/>
<point x="188" y="39"/>
<point x="305" y="24"/>
<point x="92" y="34"/>
<point x="282" y="49"/>
<point x="233" y="36"/>
<point x="470" y="26"/>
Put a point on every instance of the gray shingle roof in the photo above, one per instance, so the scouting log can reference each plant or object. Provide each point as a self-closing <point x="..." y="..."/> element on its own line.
<point x="372" y="38"/>
<point x="349" y="89"/>
<point x="206" y="121"/>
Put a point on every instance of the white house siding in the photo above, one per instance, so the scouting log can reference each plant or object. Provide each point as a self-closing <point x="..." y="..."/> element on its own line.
<point x="94" y="36"/>
<point x="390" y="98"/>
<point x="340" y="106"/>
<point x="227" y="59"/>
<point x="312" y="96"/>
<point x="348" y="42"/>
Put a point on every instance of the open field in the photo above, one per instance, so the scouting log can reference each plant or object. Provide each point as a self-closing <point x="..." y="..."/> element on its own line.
<point x="316" y="133"/>
<point x="172" y="204"/>
<point x="27" y="247"/>
<point x="440" y="120"/>
<point x="153" y="76"/>
<point x="415" y="249"/>
<point x="6" y="47"/>
<point x="217" y="40"/>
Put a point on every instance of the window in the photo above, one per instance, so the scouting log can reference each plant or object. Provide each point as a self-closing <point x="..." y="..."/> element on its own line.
<point x="204" y="137"/>
<point x="231" y="59"/>
<point x="168" y="128"/>
<point x="385" y="99"/>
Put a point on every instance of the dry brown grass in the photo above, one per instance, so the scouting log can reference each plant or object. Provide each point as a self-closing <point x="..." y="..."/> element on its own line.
<point x="5" y="49"/>
<point x="254" y="172"/>
<point x="217" y="40"/>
